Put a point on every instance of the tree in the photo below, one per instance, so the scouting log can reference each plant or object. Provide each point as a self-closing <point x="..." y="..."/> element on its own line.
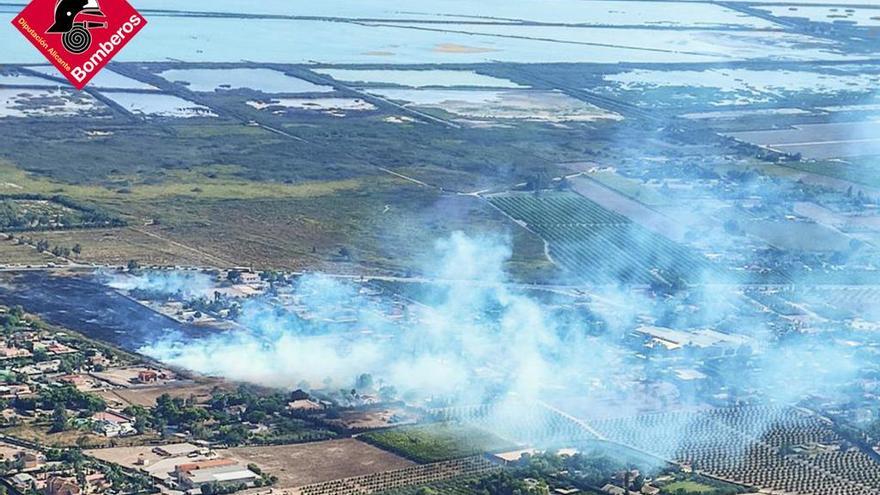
<point x="41" y="355"/>
<point x="59" y="419"/>
<point x="132" y="265"/>
<point x="140" y="423"/>
<point x="77" y="249"/>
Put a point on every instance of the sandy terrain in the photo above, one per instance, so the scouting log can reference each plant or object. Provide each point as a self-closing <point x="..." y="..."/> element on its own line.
<point x="304" y="464"/>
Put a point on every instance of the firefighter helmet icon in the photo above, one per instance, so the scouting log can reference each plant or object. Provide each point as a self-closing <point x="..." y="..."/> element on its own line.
<point x="71" y="21"/>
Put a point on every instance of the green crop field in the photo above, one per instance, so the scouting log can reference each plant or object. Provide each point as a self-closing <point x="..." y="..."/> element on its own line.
<point x="597" y="245"/>
<point x="437" y="442"/>
<point x="688" y="487"/>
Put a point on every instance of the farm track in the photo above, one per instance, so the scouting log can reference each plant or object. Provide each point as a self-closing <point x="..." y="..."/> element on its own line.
<point x="209" y="257"/>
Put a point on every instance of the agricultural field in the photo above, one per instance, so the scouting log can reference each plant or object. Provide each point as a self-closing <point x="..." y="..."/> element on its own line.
<point x="200" y="390"/>
<point x="862" y="171"/>
<point x="824" y="174"/>
<point x="853" y="302"/>
<point x="120" y="245"/>
<point x="304" y="464"/>
<point x="14" y="254"/>
<point x="819" y="141"/>
<point x="774" y="447"/>
<point x="798" y="235"/>
<point x="437" y="442"/>
<point x="597" y="245"/>
<point x="687" y="487"/>
<point x="523" y="425"/>
<point x="631" y="188"/>
<point x="457" y="486"/>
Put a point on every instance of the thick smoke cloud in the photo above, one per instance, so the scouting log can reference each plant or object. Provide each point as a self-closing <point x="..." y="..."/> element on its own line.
<point x="472" y="335"/>
<point x="184" y="284"/>
<point x="478" y="340"/>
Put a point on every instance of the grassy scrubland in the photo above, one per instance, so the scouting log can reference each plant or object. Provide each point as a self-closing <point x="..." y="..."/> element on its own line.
<point x="118" y="246"/>
<point x="333" y="149"/>
<point x="42" y="433"/>
<point x="215" y="191"/>
<point x="209" y="215"/>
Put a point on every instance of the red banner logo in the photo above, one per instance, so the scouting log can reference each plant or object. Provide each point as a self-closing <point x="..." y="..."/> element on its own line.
<point x="79" y="37"/>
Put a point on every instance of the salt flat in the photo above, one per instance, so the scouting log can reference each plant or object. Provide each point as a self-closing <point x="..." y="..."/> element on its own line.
<point x="265" y="80"/>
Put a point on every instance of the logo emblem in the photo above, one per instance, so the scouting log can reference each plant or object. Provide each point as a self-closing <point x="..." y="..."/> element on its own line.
<point x="79" y="37"/>
<point x="71" y="20"/>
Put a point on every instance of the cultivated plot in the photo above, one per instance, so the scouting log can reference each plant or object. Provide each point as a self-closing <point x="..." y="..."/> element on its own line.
<point x="820" y="141"/>
<point x="768" y="446"/>
<point x="305" y="464"/>
<point x="597" y="245"/>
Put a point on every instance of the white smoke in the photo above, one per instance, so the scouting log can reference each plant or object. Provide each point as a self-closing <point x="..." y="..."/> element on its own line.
<point x="474" y="334"/>
<point x="478" y="340"/>
<point x="185" y="284"/>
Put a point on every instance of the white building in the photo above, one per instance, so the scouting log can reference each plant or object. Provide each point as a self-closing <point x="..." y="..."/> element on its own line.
<point x="111" y="424"/>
